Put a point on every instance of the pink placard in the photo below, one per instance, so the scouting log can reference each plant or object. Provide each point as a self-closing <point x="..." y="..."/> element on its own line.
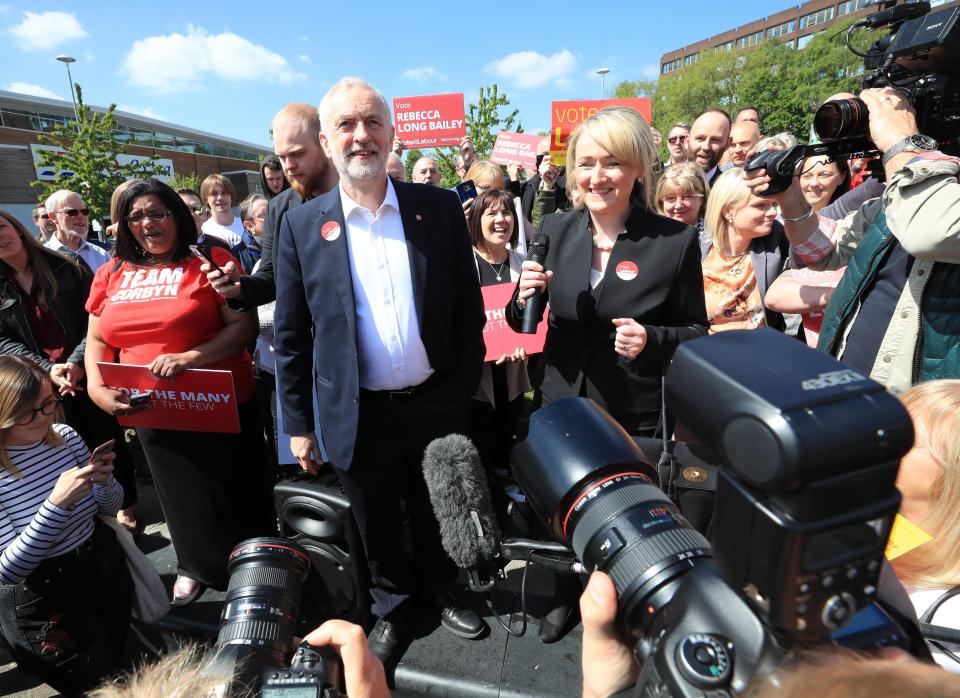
<point x="516" y="149"/>
<point x="196" y="400"/>
<point x="498" y="336"/>
<point x="430" y="121"/>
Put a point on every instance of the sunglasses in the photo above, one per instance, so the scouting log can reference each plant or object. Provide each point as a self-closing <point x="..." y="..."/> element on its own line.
<point x="675" y="140"/>
<point x="74" y="212"/>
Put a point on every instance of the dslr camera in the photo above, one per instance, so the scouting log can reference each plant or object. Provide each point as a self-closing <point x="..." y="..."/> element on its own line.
<point x="254" y="652"/>
<point x="920" y="57"/>
<point x="804" y="505"/>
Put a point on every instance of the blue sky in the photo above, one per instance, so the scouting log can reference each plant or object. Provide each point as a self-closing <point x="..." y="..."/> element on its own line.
<point x="227" y="67"/>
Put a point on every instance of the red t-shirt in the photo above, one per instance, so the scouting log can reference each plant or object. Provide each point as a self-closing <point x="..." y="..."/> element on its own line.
<point x="168" y="309"/>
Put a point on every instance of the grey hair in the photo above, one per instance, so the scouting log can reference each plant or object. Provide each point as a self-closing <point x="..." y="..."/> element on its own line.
<point x="56" y="199"/>
<point x="342" y="84"/>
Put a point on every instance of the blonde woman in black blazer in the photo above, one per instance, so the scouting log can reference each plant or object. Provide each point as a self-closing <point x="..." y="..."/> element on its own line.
<point x="625" y="285"/>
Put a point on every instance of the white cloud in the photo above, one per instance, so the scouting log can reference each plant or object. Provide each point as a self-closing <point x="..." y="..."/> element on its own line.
<point x="532" y="69"/>
<point x="177" y="61"/>
<point x="423" y="75"/>
<point x="142" y="111"/>
<point x="47" y="30"/>
<point x="89" y="56"/>
<point x="27" y="88"/>
<point x="651" y="71"/>
<point x="304" y="58"/>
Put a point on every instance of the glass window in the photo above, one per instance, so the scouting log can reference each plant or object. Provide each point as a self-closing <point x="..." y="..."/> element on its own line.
<point x="813" y="18"/>
<point x="692" y="58"/>
<point x="780" y="29"/>
<point x="750" y="40"/>
<point x="845" y="8"/>
<point x="804" y="40"/>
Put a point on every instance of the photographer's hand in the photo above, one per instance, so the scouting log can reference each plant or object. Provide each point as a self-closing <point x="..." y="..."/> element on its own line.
<point x="363" y="672"/>
<point x="892" y="120"/>
<point x="608" y="662"/>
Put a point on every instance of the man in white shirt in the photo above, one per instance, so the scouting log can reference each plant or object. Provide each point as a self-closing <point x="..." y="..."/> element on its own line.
<point x="72" y="219"/>
<point x="218" y="194"/>
<point x="379" y="302"/>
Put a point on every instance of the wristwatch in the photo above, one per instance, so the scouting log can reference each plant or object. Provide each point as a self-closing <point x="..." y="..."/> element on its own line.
<point x="910" y="143"/>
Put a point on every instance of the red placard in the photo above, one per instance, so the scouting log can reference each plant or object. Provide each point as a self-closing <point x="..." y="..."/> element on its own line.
<point x="430" y="121"/>
<point x="516" y="149"/>
<point x="566" y="116"/>
<point x="196" y="400"/>
<point x="498" y="336"/>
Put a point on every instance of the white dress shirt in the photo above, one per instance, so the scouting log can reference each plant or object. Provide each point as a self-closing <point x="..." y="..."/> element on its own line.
<point x="392" y="355"/>
<point x="94" y="256"/>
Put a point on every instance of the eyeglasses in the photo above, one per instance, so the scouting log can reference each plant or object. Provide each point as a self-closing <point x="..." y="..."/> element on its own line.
<point x="676" y="140"/>
<point x="74" y="212"/>
<point x="155" y="216"/>
<point x="39" y="216"/>
<point x="684" y="198"/>
<point x="48" y="407"/>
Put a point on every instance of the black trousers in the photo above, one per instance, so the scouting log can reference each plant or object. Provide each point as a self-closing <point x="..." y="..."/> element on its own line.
<point x="215" y="491"/>
<point x="67" y="622"/>
<point x="96" y="426"/>
<point x="386" y="478"/>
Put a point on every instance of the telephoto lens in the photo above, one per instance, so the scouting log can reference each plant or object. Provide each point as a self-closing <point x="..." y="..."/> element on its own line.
<point x="260" y="611"/>
<point x="841" y="118"/>
<point x="586" y="479"/>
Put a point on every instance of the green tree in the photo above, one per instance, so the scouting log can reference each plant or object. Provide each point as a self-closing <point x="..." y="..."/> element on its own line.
<point x="635" y="88"/>
<point x="87" y="150"/>
<point x="179" y="181"/>
<point x="785" y="84"/>
<point x="484" y="122"/>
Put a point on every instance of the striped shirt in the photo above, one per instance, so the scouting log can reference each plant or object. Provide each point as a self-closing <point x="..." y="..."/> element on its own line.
<point x="32" y="528"/>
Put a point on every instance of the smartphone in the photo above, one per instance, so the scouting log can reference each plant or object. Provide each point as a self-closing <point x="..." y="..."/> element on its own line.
<point x="466" y="190"/>
<point x="100" y="451"/>
<point x="140" y="398"/>
<point x="203" y="254"/>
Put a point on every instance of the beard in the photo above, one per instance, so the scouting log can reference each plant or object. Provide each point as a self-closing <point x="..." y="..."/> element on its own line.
<point x="350" y="168"/>
<point x="309" y="185"/>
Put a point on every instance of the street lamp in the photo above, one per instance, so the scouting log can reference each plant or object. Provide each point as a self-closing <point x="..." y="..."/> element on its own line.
<point x="67" y="60"/>
<point x="602" y="72"/>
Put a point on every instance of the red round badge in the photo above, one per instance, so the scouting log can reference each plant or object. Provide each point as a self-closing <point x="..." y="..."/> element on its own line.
<point x="627" y="271"/>
<point x="330" y="231"/>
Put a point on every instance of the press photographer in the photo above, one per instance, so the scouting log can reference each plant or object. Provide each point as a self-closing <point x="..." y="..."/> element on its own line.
<point x="894" y="315"/>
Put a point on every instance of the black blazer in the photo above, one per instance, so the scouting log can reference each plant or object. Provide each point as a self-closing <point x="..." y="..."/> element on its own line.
<point x="73" y="287"/>
<point x="315" y="318"/>
<point x="665" y="295"/>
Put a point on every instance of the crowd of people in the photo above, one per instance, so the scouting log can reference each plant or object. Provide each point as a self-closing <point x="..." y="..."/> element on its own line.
<point x="341" y="285"/>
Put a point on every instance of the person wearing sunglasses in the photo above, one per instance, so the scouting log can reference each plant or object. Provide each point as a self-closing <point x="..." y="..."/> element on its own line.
<point x="677" y="143"/>
<point x="65" y="591"/>
<point x="154" y="307"/>
<point x="72" y="220"/>
<point x="41" y="219"/>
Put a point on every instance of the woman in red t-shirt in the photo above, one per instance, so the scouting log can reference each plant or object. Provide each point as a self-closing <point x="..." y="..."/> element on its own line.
<point x="153" y="307"/>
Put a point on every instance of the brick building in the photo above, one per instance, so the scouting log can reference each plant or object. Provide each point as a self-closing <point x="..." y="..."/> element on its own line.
<point x="795" y="26"/>
<point x="184" y="150"/>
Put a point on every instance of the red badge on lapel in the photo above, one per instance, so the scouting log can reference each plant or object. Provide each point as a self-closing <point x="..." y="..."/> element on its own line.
<point x="627" y="271"/>
<point x="330" y="231"/>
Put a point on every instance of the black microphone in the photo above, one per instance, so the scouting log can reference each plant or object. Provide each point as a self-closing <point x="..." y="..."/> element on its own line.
<point x="533" y="310"/>
<point x="461" y="503"/>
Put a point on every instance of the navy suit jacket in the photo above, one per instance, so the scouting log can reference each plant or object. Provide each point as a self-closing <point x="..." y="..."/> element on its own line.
<point x="315" y="317"/>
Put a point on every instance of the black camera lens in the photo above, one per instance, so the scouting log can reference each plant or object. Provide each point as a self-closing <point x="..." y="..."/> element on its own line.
<point x="841" y="118"/>
<point x="263" y="596"/>
<point x="586" y="478"/>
